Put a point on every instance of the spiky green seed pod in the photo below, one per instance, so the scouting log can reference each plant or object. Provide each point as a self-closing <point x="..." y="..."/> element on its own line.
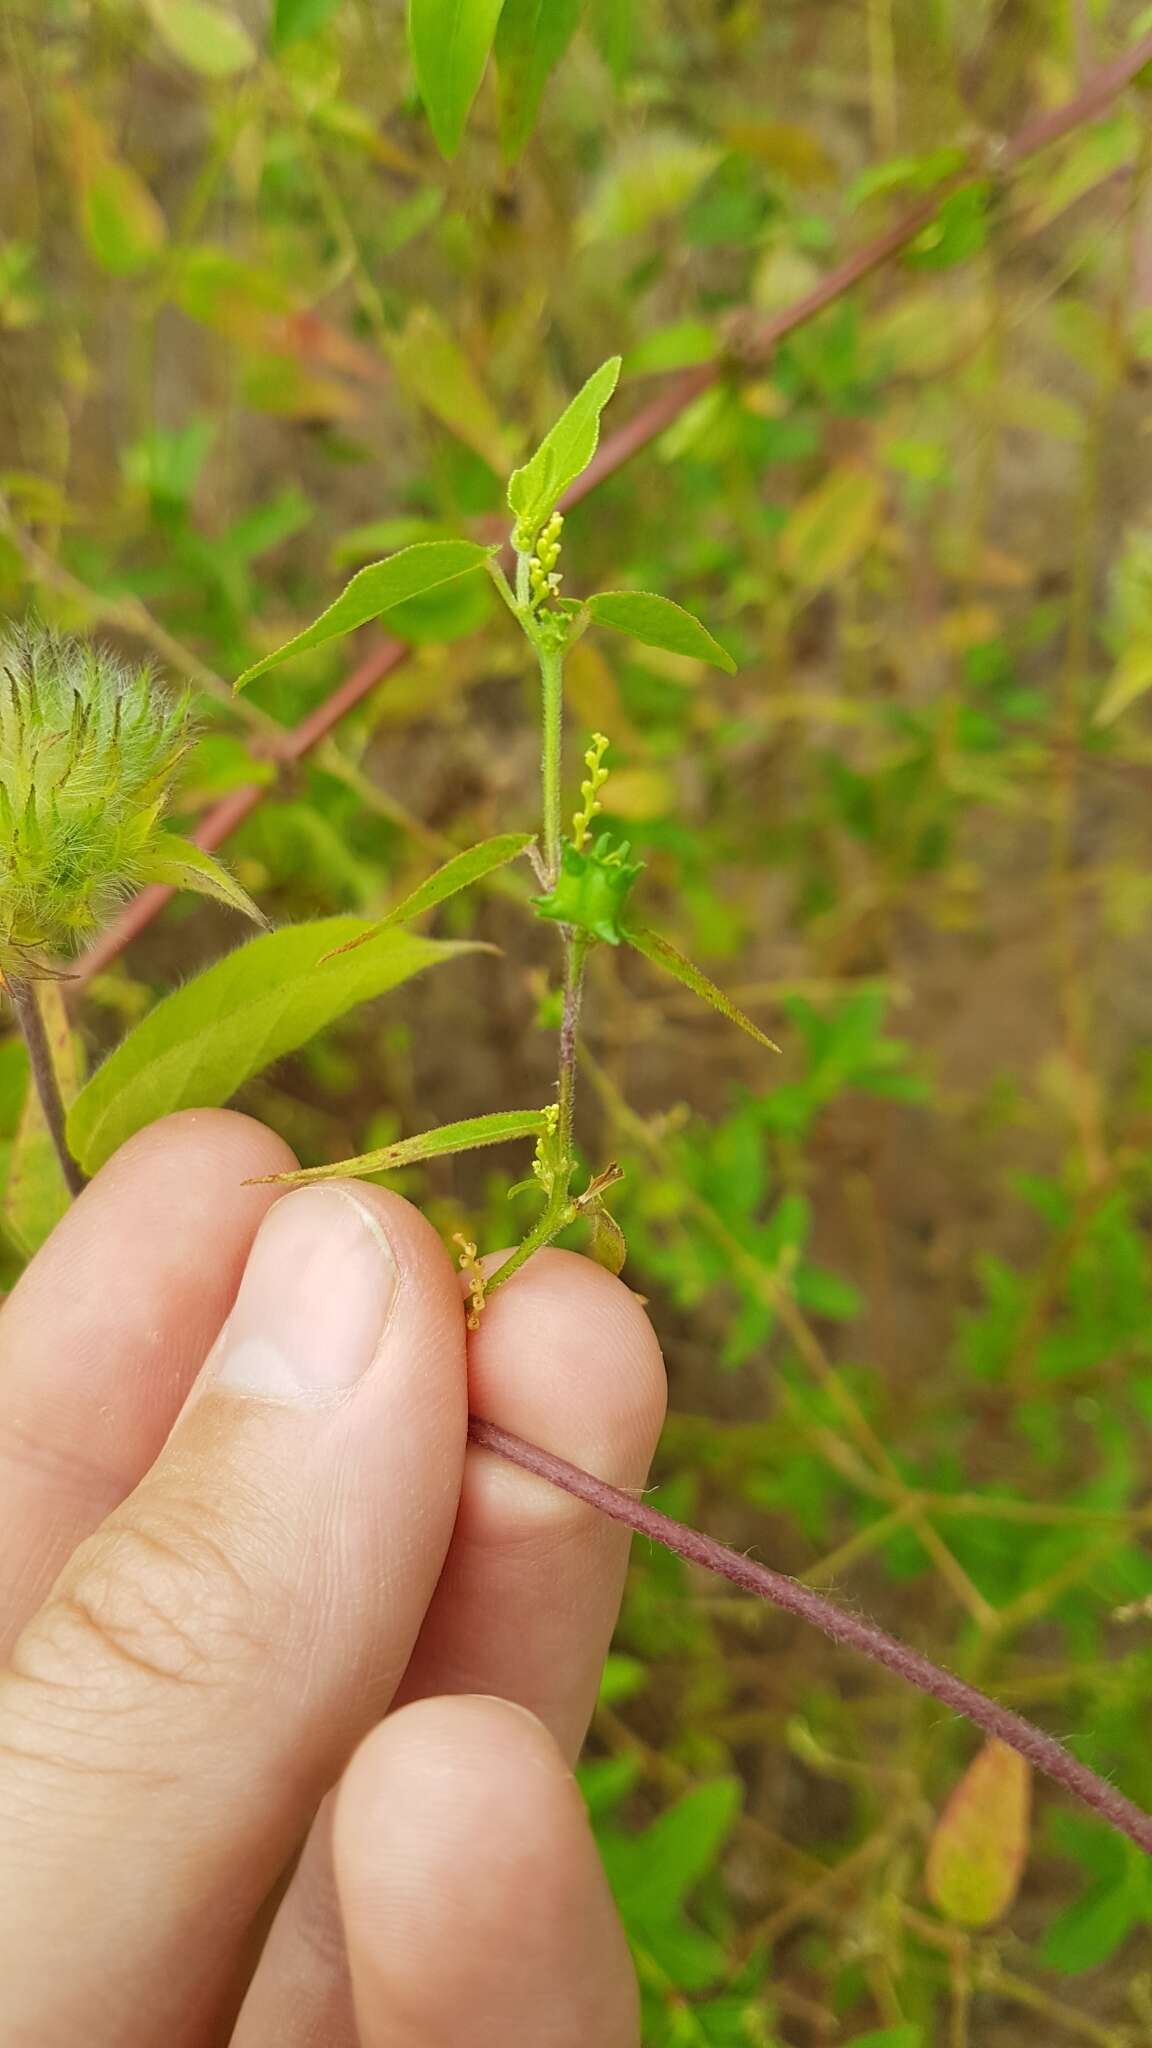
<point x="89" y="749"/>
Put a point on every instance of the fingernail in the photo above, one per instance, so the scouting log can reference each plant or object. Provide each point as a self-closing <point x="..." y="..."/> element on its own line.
<point x="312" y="1306"/>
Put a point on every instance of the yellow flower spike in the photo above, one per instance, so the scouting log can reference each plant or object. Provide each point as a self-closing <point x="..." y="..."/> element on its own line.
<point x="589" y="790"/>
<point x="477" y="1286"/>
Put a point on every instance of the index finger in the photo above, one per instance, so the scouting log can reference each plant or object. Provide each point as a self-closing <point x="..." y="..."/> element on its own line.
<point x="105" y="1333"/>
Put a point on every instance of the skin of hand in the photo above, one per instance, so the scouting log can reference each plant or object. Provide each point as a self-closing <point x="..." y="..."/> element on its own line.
<point x="291" y="1679"/>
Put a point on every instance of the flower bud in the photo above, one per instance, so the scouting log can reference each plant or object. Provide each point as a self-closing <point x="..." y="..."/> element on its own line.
<point x="89" y="750"/>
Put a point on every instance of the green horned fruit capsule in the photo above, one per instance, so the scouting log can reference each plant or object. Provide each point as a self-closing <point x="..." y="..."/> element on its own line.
<point x="592" y="889"/>
<point x="89" y="750"/>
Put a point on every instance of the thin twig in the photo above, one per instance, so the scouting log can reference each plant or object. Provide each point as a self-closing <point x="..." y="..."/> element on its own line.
<point x="30" y="1018"/>
<point x="1040" y="1749"/>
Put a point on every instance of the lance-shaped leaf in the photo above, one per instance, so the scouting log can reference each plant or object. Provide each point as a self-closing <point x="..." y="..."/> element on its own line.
<point x="377" y="590"/>
<point x="181" y="864"/>
<point x="563" y="454"/>
<point x="466" y="1136"/>
<point x="531" y="38"/>
<point x="664" y="954"/>
<point x="658" y="623"/>
<point x="202" y="1042"/>
<point x="456" y="874"/>
<point x="450" y="41"/>
<point x="980" y="1844"/>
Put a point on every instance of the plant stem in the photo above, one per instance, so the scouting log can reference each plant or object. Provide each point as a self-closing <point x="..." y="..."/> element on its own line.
<point x="575" y="954"/>
<point x="29" y="1016"/>
<point x="552" y="679"/>
<point x="559" y="1213"/>
<point x="1040" y="1749"/>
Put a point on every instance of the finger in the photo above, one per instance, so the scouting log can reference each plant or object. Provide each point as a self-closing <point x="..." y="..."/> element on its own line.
<point x="172" y="1716"/>
<point x="528" y="1597"/>
<point x="300" y="1995"/>
<point x="104" y="1334"/>
<point x="474" y="1904"/>
<point x="566" y="1357"/>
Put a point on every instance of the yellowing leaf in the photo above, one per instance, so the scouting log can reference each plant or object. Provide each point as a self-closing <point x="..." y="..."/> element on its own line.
<point x="434" y="370"/>
<point x="120" y="220"/>
<point x="1130" y="678"/>
<point x="829" y="530"/>
<point x="205" y="36"/>
<point x="35" y="1197"/>
<point x="980" y="1844"/>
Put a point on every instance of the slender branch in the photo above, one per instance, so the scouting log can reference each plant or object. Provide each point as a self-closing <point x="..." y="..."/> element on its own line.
<point x="1040" y="1749"/>
<point x="30" y="1018"/>
<point x="575" y="954"/>
<point x="756" y="342"/>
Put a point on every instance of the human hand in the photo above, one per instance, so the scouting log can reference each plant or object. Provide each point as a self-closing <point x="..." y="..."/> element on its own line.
<point x="215" y="1583"/>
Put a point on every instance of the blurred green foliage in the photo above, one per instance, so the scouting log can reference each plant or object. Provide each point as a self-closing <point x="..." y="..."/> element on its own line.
<point x="256" y="329"/>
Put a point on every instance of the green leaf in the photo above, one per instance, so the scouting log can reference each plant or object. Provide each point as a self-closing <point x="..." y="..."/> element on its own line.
<point x="440" y="1143"/>
<point x="658" y="623"/>
<point x="181" y="864"/>
<point x="456" y="874"/>
<point x="292" y="19"/>
<point x="206" y="37"/>
<point x="531" y="38"/>
<point x="433" y="369"/>
<point x="980" y="1842"/>
<point x="664" y="954"/>
<point x="376" y="590"/>
<point x="35" y="1195"/>
<point x="533" y="490"/>
<point x="450" y="41"/>
<point x="200" y="1044"/>
<point x="651" y="1874"/>
<point x="613" y="28"/>
<point x="123" y="224"/>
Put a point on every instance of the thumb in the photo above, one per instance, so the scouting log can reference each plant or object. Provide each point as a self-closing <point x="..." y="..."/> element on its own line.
<point x="207" y="1660"/>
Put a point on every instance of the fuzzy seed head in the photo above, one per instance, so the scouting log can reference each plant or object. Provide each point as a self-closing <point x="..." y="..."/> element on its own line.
<point x="88" y="750"/>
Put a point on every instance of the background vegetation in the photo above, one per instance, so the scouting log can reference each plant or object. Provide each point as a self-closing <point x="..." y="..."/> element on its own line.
<point x="254" y="330"/>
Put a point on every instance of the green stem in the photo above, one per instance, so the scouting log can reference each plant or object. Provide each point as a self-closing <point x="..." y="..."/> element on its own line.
<point x="552" y="679"/>
<point x="559" y="1213"/>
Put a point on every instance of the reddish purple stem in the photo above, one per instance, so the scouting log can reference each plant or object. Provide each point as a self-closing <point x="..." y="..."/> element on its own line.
<point x="1040" y="1749"/>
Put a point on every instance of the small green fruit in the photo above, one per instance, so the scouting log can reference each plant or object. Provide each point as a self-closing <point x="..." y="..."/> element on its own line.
<point x="592" y="889"/>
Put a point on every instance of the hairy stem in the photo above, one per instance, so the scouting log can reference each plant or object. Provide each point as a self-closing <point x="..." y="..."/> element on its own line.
<point x="26" y="1006"/>
<point x="1040" y="1749"/>
<point x="575" y="954"/>
<point x="551" y="752"/>
<point x="559" y="1213"/>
